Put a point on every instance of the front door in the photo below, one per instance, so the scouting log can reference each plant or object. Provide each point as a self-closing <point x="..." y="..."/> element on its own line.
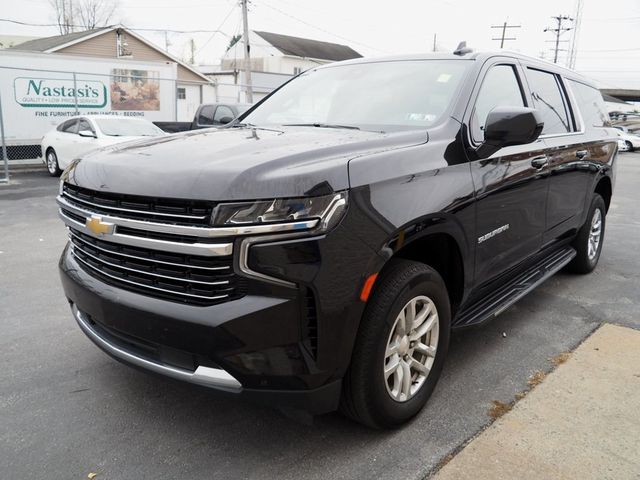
<point x="510" y="186"/>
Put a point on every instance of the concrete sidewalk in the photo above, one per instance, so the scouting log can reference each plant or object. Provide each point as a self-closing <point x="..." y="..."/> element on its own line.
<point x="581" y="422"/>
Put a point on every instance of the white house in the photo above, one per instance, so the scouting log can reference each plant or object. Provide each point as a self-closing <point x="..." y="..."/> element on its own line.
<point x="275" y="58"/>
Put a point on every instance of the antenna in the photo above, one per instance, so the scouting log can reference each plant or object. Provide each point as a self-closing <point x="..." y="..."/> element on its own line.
<point x="462" y="49"/>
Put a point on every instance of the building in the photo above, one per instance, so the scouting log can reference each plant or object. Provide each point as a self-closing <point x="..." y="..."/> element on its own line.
<point x="275" y="53"/>
<point x="9" y="41"/>
<point x="117" y="42"/>
<point x="275" y="58"/>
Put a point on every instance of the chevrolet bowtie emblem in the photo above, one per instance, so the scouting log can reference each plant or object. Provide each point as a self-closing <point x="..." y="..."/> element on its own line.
<point x="97" y="226"/>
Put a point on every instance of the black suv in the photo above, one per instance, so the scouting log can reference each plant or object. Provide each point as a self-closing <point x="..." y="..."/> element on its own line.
<point x="316" y="253"/>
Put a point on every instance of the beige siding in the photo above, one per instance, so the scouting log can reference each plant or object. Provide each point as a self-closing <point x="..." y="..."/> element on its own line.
<point x="105" y="46"/>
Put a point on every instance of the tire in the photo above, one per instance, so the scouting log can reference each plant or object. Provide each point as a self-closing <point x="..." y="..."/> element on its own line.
<point x="51" y="162"/>
<point x="371" y="397"/>
<point x="629" y="146"/>
<point x="587" y="243"/>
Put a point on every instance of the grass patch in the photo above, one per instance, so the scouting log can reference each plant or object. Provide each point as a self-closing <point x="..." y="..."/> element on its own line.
<point x="561" y="358"/>
<point x="498" y="409"/>
<point x="536" y="379"/>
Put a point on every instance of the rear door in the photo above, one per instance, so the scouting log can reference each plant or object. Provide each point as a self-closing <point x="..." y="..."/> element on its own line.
<point x="568" y="167"/>
<point x="511" y="185"/>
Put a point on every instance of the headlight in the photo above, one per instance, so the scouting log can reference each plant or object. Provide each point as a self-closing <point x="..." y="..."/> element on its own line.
<point x="327" y="209"/>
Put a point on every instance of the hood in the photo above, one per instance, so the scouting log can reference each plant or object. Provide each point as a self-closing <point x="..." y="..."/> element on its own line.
<point x="234" y="163"/>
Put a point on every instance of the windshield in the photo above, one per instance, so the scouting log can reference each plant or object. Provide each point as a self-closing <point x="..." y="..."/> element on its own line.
<point x="372" y="96"/>
<point x="127" y="127"/>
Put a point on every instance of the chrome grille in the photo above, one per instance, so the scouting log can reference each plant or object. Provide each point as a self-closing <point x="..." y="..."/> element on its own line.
<point x="184" y="278"/>
<point x="163" y="210"/>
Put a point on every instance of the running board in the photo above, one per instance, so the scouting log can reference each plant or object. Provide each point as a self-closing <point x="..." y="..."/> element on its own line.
<point x="498" y="301"/>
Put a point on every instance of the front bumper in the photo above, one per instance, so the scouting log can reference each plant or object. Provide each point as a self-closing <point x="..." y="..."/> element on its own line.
<point x="254" y="347"/>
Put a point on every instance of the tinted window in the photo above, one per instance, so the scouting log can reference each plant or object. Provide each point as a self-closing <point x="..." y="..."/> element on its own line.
<point x="68" y="127"/>
<point x="591" y="104"/>
<point x="500" y="88"/>
<point x="221" y="112"/>
<point x="205" y="117"/>
<point x="549" y="101"/>
<point x="388" y="95"/>
<point x="85" y="125"/>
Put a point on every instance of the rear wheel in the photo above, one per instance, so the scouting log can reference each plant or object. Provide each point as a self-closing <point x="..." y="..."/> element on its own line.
<point x="588" y="242"/>
<point x="52" y="163"/>
<point x="400" y="348"/>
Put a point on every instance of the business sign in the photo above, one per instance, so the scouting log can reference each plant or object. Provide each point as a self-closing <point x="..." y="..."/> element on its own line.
<point x="60" y="93"/>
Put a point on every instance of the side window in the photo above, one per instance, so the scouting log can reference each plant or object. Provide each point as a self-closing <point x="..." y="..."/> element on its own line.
<point x="500" y="88"/>
<point x="549" y="101"/>
<point x="221" y="112"/>
<point x="85" y="125"/>
<point x="69" y="126"/>
<point x="591" y="104"/>
<point x="205" y="117"/>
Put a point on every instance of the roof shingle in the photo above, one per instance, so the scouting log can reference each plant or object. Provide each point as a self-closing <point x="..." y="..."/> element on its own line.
<point x="304" y="47"/>
<point x="47" y="43"/>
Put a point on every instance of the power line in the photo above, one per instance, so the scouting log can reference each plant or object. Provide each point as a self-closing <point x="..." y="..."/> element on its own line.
<point x="320" y="29"/>
<point x="503" y="37"/>
<point x="217" y="30"/>
<point x="558" y="30"/>
<point x="138" y="29"/>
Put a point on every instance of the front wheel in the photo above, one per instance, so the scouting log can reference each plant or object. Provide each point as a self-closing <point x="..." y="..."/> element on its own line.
<point x="590" y="237"/>
<point x="401" y="346"/>
<point x="629" y="146"/>
<point x="52" y="163"/>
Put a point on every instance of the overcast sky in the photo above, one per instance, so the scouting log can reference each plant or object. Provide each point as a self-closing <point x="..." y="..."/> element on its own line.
<point x="609" y="39"/>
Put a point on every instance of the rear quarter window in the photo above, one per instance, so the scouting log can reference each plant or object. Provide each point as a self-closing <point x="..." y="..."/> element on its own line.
<point x="590" y="103"/>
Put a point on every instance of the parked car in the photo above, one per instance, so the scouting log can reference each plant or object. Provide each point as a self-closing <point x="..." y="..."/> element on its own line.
<point x="622" y="145"/>
<point x="630" y="140"/>
<point x="316" y="253"/>
<point x="208" y="115"/>
<point x="78" y="135"/>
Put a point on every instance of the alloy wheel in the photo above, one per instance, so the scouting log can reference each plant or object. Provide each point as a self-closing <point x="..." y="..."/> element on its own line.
<point x="411" y="348"/>
<point x="595" y="234"/>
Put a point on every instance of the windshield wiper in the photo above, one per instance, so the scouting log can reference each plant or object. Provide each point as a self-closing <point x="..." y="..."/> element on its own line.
<point x="321" y="125"/>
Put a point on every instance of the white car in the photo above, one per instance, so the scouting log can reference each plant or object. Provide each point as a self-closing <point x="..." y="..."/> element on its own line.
<point x="78" y="135"/>
<point x="630" y="140"/>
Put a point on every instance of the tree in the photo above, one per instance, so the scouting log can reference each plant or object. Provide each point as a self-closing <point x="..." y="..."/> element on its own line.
<point x="73" y="15"/>
<point x="235" y="39"/>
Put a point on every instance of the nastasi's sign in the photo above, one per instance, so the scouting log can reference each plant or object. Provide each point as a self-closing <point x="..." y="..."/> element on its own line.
<point x="61" y="93"/>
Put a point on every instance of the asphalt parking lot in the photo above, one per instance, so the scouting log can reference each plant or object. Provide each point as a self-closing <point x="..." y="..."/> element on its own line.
<point x="66" y="409"/>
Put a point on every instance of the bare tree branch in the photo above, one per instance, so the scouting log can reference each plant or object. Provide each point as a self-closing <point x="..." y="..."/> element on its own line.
<point x="72" y="15"/>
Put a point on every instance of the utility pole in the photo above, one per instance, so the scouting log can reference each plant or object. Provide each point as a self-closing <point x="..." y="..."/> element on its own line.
<point x="558" y="30"/>
<point x="504" y="37"/>
<point x="435" y="36"/>
<point x="166" y="41"/>
<point x="573" y="49"/>
<point x="192" y="46"/>
<point x="247" y="53"/>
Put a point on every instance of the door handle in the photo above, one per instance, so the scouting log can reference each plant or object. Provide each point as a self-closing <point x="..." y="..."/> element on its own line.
<point x="539" y="162"/>
<point x="582" y="154"/>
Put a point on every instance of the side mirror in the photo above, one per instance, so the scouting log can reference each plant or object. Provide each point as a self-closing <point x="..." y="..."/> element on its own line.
<point x="506" y="126"/>
<point x="87" y="133"/>
<point x="225" y="120"/>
